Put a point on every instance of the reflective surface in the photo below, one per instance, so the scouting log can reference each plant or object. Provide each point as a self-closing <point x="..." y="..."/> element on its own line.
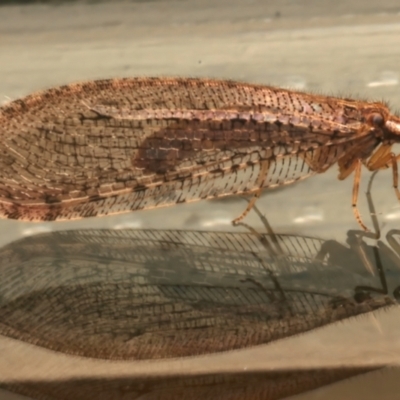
<point x="148" y="294"/>
<point x="159" y="294"/>
<point x="176" y="302"/>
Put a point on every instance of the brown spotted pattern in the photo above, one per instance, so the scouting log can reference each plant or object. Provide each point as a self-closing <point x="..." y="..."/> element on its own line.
<point x="111" y="146"/>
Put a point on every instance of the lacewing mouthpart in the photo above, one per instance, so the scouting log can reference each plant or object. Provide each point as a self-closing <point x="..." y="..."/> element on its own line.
<point x="112" y="146"/>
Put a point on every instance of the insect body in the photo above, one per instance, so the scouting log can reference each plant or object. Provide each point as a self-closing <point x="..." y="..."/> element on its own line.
<point x="112" y="146"/>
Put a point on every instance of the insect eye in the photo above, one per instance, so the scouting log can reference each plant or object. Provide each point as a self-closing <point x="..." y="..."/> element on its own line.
<point x="377" y="119"/>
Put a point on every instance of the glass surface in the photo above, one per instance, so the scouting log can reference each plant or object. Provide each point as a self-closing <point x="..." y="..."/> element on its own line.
<point x="176" y="302"/>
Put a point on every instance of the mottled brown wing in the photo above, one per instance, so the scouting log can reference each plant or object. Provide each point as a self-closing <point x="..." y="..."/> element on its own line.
<point x="113" y="146"/>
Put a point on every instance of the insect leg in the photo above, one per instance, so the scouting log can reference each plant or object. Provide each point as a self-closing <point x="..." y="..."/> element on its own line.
<point x="356" y="187"/>
<point x="355" y="239"/>
<point x="384" y="159"/>
<point x="381" y="159"/>
<point x="262" y="238"/>
<point x="260" y="180"/>
<point x="395" y="174"/>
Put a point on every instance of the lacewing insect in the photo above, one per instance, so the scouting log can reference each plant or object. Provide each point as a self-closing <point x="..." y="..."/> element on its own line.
<point x="111" y="146"/>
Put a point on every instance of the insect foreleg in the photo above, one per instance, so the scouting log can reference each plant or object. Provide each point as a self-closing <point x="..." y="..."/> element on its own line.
<point x="382" y="159"/>
<point x="395" y="174"/>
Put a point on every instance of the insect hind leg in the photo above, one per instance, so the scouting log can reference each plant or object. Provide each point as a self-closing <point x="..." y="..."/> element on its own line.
<point x="257" y="192"/>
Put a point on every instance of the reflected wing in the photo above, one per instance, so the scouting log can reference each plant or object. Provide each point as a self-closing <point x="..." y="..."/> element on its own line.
<point x="159" y="294"/>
